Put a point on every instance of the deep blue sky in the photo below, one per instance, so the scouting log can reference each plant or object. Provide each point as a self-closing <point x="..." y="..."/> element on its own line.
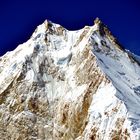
<point x="19" y="18"/>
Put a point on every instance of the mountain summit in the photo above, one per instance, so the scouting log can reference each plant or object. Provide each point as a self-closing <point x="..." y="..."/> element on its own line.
<point x="70" y="85"/>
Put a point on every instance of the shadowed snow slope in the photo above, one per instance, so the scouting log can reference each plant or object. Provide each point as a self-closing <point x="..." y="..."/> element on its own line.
<point x="70" y="85"/>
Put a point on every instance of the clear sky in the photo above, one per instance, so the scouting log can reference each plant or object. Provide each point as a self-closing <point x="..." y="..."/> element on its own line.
<point x="19" y="18"/>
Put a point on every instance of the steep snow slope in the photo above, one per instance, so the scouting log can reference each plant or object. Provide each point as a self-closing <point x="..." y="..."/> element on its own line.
<point x="70" y="85"/>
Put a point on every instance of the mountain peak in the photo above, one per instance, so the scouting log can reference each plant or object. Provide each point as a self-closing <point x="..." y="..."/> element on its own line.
<point x="97" y="21"/>
<point x="69" y="85"/>
<point x="101" y="27"/>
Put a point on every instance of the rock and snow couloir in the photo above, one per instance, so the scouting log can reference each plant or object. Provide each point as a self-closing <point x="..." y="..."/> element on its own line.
<point x="70" y="85"/>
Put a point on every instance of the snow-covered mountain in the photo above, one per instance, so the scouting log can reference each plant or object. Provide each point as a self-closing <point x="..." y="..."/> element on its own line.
<point x="70" y="85"/>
